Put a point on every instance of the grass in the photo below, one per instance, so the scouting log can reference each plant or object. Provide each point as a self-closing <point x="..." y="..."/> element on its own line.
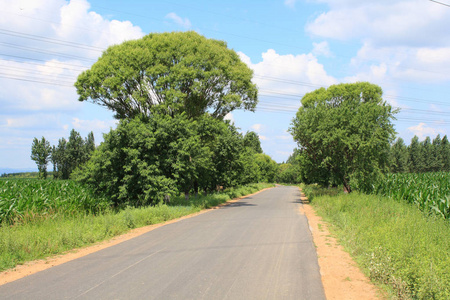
<point x="397" y="246"/>
<point x="36" y="238"/>
<point x="22" y="199"/>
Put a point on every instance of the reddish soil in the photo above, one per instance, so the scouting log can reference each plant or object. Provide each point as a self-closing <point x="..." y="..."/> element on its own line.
<point x="341" y="277"/>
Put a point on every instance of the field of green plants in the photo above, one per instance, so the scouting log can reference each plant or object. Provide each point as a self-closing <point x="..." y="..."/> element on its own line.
<point x="428" y="191"/>
<point x="28" y="198"/>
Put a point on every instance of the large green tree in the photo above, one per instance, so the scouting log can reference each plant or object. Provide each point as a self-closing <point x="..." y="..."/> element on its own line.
<point x="344" y="133"/>
<point x="40" y="153"/>
<point x="144" y="160"/>
<point x="178" y="71"/>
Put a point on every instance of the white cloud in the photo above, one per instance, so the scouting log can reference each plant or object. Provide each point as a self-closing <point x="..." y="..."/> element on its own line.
<point x="403" y="63"/>
<point x="296" y="74"/>
<point x="282" y="80"/>
<point x="290" y="3"/>
<point x="179" y="20"/>
<point x="422" y="130"/>
<point x="284" y="153"/>
<point x="388" y="23"/>
<point x="99" y="32"/>
<point x="37" y="97"/>
<point x="322" y="48"/>
<point x="263" y="138"/>
<point x="284" y="137"/>
<point x="257" y="127"/>
<point x="402" y="39"/>
<point x="64" y="21"/>
<point x="93" y="125"/>
<point x="229" y="116"/>
<point x="30" y="122"/>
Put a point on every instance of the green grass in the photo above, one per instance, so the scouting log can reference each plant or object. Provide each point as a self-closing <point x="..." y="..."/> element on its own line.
<point x="36" y="238"/>
<point x="397" y="245"/>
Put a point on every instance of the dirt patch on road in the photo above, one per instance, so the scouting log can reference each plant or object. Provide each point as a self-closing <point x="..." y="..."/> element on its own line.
<point x="43" y="264"/>
<point x="341" y="277"/>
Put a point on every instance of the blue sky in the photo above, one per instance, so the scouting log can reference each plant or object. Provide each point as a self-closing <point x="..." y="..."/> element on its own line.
<point x="293" y="47"/>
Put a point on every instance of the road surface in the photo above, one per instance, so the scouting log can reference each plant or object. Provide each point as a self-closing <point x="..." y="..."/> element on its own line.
<point x="257" y="248"/>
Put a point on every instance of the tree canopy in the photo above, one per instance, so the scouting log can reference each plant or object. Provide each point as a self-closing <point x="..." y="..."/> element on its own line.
<point x="145" y="160"/>
<point x="175" y="72"/>
<point x="40" y="153"/>
<point x="251" y="140"/>
<point x="344" y="134"/>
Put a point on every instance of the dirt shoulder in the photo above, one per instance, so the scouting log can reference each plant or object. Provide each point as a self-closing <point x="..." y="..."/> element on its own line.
<point x="341" y="277"/>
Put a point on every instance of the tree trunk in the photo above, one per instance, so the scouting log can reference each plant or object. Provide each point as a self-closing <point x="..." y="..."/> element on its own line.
<point x="166" y="198"/>
<point x="186" y="195"/>
<point x="196" y="188"/>
<point x="347" y="188"/>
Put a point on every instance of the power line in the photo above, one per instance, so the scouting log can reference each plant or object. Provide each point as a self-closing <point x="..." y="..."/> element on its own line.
<point x="445" y="4"/>
<point x="50" y="40"/>
<point x="82" y="68"/>
<point x="266" y="93"/>
<point x="36" y="72"/>
<point x="37" y="81"/>
<point x="37" y="50"/>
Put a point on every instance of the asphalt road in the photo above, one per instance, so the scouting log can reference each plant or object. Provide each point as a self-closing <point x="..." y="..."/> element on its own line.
<point x="257" y="248"/>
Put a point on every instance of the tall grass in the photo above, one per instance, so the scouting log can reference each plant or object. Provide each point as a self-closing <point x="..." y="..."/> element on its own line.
<point x="428" y="191"/>
<point x="396" y="245"/>
<point x="21" y="199"/>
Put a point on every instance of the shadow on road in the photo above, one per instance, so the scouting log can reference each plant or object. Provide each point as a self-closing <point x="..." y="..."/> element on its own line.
<point x="239" y="204"/>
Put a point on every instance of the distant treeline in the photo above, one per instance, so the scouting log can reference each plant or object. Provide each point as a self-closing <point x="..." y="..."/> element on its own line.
<point x="65" y="157"/>
<point x="420" y="157"/>
<point x="21" y="175"/>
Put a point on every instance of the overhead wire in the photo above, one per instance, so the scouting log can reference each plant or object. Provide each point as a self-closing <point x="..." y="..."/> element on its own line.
<point x="264" y="93"/>
<point x="441" y="3"/>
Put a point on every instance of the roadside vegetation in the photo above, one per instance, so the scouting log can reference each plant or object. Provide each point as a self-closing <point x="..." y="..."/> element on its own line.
<point x="396" y="245"/>
<point x="23" y="200"/>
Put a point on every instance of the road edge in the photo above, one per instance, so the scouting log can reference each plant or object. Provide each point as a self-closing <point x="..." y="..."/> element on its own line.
<point x="341" y="277"/>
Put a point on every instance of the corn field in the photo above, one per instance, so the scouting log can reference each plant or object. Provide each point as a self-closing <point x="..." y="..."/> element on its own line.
<point x="429" y="191"/>
<point x="24" y="198"/>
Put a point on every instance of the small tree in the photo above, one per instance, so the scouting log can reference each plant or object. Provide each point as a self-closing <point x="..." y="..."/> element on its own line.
<point x="445" y="153"/>
<point x="40" y="153"/>
<point x="344" y="134"/>
<point x="415" y="157"/>
<point x="399" y="157"/>
<point x="89" y="146"/>
<point x="251" y="140"/>
<point x="75" y="150"/>
<point x="436" y="162"/>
